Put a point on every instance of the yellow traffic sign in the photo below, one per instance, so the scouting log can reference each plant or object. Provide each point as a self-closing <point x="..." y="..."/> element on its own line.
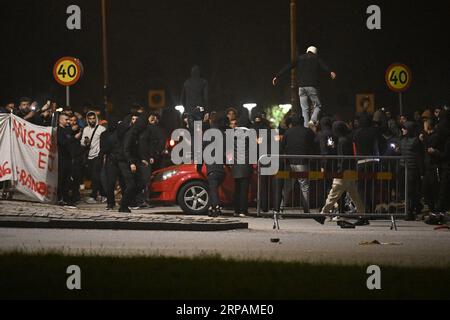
<point x="398" y="77"/>
<point x="67" y="71"/>
<point x="156" y="99"/>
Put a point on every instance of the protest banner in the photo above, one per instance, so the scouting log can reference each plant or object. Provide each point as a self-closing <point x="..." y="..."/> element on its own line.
<point x="30" y="153"/>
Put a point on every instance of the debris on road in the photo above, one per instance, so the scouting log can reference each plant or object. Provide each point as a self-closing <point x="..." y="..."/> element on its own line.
<point x="376" y="242"/>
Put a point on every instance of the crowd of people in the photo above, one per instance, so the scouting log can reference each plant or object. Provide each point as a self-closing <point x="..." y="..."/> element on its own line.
<point x="105" y="151"/>
<point x="125" y="152"/>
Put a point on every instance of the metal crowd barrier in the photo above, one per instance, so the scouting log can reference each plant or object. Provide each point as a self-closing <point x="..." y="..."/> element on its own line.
<point x="302" y="190"/>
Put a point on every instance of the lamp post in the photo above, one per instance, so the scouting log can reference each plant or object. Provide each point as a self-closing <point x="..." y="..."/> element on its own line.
<point x="107" y="107"/>
<point x="250" y="107"/>
<point x="294" y="89"/>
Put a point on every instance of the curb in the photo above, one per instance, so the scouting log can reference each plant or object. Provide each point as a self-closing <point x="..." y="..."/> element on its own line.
<point x="45" y="223"/>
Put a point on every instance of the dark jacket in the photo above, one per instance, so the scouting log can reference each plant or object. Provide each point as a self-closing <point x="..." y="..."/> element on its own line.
<point x="114" y="144"/>
<point x="76" y="150"/>
<point x="308" y="67"/>
<point x="152" y="142"/>
<point x="65" y="140"/>
<point x="241" y="155"/>
<point x="344" y="145"/>
<point x="366" y="137"/>
<point x="445" y="156"/>
<point x="108" y="138"/>
<point x="131" y="141"/>
<point x="298" y="140"/>
<point x="411" y="148"/>
<point x="432" y="161"/>
<point x="217" y="167"/>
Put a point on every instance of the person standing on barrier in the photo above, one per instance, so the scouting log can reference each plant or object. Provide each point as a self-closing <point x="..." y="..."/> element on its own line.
<point x="411" y="148"/>
<point x="300" y="141"/>
<point x="308" y="67"/>
<point x="344" y="148"/>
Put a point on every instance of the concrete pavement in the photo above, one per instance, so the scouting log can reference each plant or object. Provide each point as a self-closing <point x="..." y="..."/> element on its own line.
<point x="20" y="214"/>
<point x="415" y="243"/>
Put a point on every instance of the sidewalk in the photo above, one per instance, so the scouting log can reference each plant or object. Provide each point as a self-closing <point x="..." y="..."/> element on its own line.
<point x="19" y="214"/>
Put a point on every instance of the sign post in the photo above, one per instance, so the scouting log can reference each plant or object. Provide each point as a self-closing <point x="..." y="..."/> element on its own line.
<point x="67" y="71"/>
<point x="398" y="79"/>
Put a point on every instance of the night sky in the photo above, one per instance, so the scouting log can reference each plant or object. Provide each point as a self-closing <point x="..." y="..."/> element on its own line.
<point x="239" y="45"/>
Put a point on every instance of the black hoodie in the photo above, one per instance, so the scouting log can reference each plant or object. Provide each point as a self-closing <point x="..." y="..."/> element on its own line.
<point x="366" y="137"/>
<point x="325" y="138"/>
<point x="344" y="144"/>
<point x="411" y="148"/>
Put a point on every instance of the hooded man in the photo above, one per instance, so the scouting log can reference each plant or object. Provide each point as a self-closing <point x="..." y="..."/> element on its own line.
<point x="344" y="148"/>
<point x="308" y="67"/>
<point x="411" y="148"/>
<point x="195" y="91"/>
<point x="91" y="142"/>
<point x="299" y="140"/>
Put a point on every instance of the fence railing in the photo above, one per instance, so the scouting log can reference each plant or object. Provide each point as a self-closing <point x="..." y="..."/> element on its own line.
<point x="373" y="187"/>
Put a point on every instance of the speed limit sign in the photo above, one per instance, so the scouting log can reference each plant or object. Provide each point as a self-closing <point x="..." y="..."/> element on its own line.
<point x="67" y="71"/>
<point x="398" y="77"/>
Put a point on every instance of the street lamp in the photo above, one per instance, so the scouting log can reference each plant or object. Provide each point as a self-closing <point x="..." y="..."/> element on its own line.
<point x="250" y="107"/>
<point x="285" y="107"/>
<point x="294" y="87"/>
<point x="180" y="109"/>
<point x="107" y="106"/>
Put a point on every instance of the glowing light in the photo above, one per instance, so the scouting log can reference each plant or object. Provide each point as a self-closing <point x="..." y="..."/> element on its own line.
<point x="180" y="109"/>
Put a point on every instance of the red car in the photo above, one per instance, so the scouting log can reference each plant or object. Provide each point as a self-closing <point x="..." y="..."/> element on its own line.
<point x="184" y="186"/>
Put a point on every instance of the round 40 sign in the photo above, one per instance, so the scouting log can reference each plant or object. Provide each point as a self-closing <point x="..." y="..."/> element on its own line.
<point x="67" y="71"/>
<point x="398" y="77"/>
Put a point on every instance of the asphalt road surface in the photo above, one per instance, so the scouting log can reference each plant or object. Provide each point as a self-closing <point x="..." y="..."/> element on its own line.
<point x="415" y="243"/>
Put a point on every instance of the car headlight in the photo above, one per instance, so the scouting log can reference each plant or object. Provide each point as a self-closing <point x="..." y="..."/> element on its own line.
<point x="166" y="175"/>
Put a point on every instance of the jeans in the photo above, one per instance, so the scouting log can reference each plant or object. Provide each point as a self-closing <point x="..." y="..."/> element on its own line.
<point x="313" y="94"/>
<point x="430" y="187"/>
<point x="95" y="168"/>
<point x="133" y="181"/>
<point x="241" y="187"/>
<point x="146" y="173"/>
<point x="215" y="179"/>
<point x="304" y="186"/>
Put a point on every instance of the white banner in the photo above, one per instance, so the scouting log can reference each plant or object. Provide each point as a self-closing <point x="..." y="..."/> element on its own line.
<point x="33" y="156"/>
<point x="6" y="172"/>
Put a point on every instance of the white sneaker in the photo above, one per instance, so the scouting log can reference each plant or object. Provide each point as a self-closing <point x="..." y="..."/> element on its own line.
<point x="91" y="201"/>
<point x="103" y="199"/>
<point x="337" y="218"/>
